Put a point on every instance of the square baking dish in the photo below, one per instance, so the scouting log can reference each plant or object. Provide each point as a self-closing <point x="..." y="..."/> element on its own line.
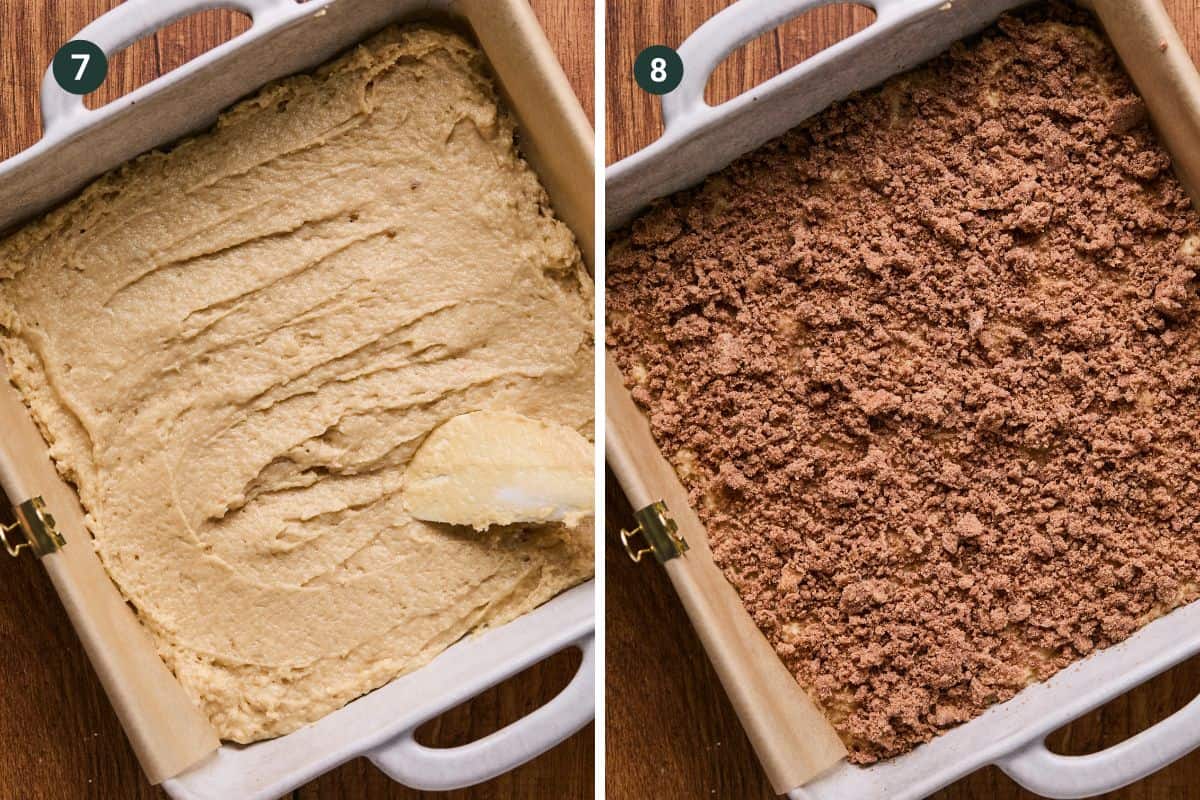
<point x="700" y="139"/>
<point x="175" y="744"/>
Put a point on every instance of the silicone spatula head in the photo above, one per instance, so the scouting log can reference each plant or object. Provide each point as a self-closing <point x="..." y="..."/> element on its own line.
<point x="497" y="468"/>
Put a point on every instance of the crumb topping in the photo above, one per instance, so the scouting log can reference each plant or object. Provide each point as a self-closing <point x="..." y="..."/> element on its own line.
<point x="928" y="366"/>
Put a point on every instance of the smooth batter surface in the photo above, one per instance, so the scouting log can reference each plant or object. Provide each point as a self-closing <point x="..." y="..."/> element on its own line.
<point x="235" y="347"/>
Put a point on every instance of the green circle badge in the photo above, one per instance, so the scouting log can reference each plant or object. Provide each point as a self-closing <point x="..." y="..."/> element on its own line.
<point x="658" y="69"/>
<point x="80" y="66"/>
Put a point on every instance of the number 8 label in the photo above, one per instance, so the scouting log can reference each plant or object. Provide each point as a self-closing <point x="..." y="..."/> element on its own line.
<point x="658" y="69"/>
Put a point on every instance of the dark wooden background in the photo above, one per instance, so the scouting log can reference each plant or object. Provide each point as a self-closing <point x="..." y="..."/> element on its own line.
<point x="670" y="732"/>
<point x="59" y="739"/>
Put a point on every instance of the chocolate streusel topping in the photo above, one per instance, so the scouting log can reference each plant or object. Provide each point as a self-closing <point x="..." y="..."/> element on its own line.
<point x="929" y="367"/>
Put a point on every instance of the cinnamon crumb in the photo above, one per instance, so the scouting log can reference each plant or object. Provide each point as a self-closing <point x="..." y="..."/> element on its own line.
<point x="935" y="358"/>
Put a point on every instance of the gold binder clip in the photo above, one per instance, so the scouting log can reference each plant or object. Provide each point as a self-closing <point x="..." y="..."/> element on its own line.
<point x="37" y="525"/>
<point x="660" y="532"/>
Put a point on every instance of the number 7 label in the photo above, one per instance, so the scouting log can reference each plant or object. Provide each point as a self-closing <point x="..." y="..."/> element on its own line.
<point x="83" y="59"/>
<point x="79" y="66"/>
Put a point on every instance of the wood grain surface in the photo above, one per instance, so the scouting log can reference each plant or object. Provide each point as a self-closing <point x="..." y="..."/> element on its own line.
<point x="670" y="732"/>
<point x="61" y="740"/>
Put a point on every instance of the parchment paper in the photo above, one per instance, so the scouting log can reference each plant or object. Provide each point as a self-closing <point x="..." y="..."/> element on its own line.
<point x="168" y="733"/>
<point x="790" y="735"/>
<point x="1155" y="57"/>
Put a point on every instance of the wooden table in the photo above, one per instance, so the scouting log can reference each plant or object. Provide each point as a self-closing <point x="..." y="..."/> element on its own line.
<point x="670" y="732"/>
<point x="61" y="738"/>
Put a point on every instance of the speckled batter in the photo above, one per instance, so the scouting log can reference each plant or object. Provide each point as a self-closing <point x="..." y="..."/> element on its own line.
<point x="234" y="348"/>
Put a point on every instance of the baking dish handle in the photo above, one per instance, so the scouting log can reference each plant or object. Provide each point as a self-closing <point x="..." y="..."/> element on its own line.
<point x="445" y="768"/>
<point x="1058" y="776"/>
<point x="733" y="27"/>
<point x="130" y="21"/>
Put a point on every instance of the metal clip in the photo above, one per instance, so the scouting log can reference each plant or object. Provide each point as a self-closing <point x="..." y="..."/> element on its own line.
<point x="37" y="525"/>
<point x="660" y="532"/>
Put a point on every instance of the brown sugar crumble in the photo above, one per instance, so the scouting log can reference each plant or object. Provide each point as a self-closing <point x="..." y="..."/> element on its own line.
<point x="929" y="366"/>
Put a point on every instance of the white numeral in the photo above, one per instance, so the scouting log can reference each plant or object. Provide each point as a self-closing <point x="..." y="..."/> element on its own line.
<point x="84" y="58"/>
<point x="658" y="70"/>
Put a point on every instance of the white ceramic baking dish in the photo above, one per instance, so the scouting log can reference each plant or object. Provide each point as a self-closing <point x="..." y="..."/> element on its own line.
<point x="289" y="36"/>
<point x="700" y="139"/>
